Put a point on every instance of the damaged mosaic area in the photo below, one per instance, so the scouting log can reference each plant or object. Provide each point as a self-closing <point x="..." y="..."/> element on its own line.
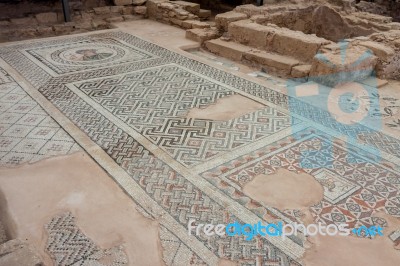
<point x="134" y="107"/>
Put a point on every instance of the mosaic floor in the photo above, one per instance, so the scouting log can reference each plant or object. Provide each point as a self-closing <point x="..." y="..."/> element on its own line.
<point x="129" y="98"/>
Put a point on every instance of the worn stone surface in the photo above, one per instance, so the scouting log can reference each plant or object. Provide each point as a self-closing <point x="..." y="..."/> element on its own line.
<point x="229" y="50"/>
<point x="115" y="19"/>
<point x="329" y="24"/>
<point x="250" y="33"/>
<point x="140" y="10"/>
<point x="191" y="7"/>
<point x="330" y="68"/>
<point x="200" y="35"/>
<point x="223" y="20"/>
<point x="15" y="252"/>
<point x="24" y="21"/>
<point x="273" y="63"/>
<point x="382" y="51"/>
<point x="300" y="71"/>
<point x="122" y="2"/>
<point x="49" y="17"/>
<point x="296" y="44"/>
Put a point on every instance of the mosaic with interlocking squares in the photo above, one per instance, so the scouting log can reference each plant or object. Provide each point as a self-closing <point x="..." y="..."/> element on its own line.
<point x="354" y="186"/>
<point x="155" y="102"/>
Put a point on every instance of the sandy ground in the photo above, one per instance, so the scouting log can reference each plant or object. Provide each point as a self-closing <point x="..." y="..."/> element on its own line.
<point x="75" y="183"/>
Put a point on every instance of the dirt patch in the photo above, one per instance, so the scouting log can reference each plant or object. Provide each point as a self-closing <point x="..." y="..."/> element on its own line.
<point x="334" y="250"/>
<point x="285" y="190"/>
<point x="349" y="250"/>
<point x="75" y="183"/>
<point x="226" y="108"/>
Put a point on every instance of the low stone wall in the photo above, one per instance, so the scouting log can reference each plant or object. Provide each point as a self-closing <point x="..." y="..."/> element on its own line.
<point x="22" y="8"/>
<point x="180" y="13"/>
<point x="51" y="23"/>
<point x="288" y="33"/>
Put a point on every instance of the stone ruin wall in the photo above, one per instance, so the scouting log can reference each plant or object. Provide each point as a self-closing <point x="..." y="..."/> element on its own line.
<point x="290" y="28"/>
<point x="36" y="22"/>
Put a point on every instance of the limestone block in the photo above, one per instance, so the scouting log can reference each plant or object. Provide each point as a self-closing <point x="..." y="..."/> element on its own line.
<point x="102" y="10"/>
<point x="380" y="50"/>
<point x="223" y="20"/>
<point x="23" y="21"/>
<point x="140" y="10"/>
<point x="231" y="50"/>
<point x="250" y="33"/>
<point x="46" y="18"/>
<point x="328" y="68"/>
<point x="188" y="6"/>
<point x="296" y="44"/>
<point x="153" y="7"/>
<point x="202" y="35"/>
<point x="300" y="71"/>
<point x="276" y="63"/>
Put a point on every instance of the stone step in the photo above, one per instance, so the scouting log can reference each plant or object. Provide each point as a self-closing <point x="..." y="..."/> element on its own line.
<point x="222" y="20"/>
<point x="230" y="50"/>
<point x="275" y="39"/>
<point x="273" y="63"/>
<point x="202" y="35"/>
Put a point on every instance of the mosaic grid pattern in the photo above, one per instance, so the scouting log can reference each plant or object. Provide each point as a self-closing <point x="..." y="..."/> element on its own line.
<point x="136" y="145"/>
<point x="27" y="132"/>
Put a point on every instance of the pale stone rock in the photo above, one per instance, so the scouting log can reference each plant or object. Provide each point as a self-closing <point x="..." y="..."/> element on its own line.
<point x="231" y="50"/>
<point x="102" y="10"/>
<point x="202" y="35"/>
<point x="188" y="6"/>
<point x="223" y="20"/>
<point x="140" y="10"/>
<point x="46" y="18"/>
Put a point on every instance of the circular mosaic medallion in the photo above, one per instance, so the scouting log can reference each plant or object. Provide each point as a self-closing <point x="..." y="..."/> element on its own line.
<point x="88" y="54"/>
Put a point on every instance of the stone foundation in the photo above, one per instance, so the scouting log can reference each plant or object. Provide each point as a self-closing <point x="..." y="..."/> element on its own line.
<point x="311" y="40"/>
<point x="52" y="23"/>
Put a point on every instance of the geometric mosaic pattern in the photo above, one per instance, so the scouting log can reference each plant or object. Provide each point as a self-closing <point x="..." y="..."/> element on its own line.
<point x="27" y="132"/>
<point x="155" y="102"/>
<point x="354" y="187"/>
<point x="67" y="245"/>
<point x="135" y="110"/>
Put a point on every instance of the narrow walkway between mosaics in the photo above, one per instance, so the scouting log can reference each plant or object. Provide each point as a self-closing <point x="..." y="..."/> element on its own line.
<point x="110" y="142"/>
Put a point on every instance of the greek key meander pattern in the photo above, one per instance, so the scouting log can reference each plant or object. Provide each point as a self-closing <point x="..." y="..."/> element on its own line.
<point x="174" y="134"/>
<point x="153" y="103"/>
